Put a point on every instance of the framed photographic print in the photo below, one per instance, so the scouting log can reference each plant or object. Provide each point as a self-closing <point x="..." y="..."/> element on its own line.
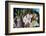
<point x="24" y="17"/>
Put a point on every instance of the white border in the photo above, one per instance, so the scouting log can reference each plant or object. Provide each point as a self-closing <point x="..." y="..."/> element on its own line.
<point x="19" y="5"/>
